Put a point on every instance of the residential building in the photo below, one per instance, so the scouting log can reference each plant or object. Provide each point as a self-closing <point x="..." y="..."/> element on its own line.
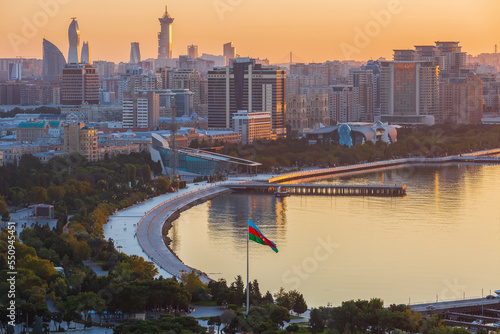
<point x="296" y="110"/>
<point x="252" y="125"/>
<point x="341" y="104"/>
<point x="30" y="132"/>
<point x="141" y="110"/>
<point x="362" y="81"/>
<point x="408" y="89"/>
<point x="461" y="100"/>
<point x="12" y="153"/>
<point x="81" y="139"/>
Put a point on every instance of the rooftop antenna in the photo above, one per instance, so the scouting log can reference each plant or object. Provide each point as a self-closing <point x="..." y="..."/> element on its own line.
<point x="496" y="48"/>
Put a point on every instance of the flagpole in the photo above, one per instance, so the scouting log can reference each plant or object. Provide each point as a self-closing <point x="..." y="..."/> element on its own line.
<point x="248" y="290"/>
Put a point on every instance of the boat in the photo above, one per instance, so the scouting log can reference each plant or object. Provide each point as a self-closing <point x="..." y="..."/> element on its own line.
<point x="280" y="193"/>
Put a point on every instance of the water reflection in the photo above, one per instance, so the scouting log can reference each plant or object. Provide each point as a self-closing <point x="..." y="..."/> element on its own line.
<point x="445" y="230"/>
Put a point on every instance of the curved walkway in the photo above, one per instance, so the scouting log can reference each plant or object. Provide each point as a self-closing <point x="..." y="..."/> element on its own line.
<point x="150" y="236"/>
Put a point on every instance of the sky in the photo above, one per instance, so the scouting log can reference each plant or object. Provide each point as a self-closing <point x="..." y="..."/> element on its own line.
<point x="313" y="30"/>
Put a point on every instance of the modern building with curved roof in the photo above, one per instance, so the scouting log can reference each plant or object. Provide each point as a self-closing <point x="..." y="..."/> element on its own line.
<point x="53" y="61"/>
<point x="349" y="134"/>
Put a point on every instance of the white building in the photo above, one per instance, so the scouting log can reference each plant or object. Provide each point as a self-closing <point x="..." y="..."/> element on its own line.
<point x="252" y="125"/>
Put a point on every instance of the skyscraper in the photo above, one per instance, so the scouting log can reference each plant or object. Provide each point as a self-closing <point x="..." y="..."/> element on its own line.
<point x="193" y="51"/>
<point x="362" y="82"/>
<point x="409" y="91"/>
<point x="85" y="59"/>
<point x="229" y="52"/>
<point x="165" y="36"/>
<point x="246" y="86"/>
<point x="53" y="61"/>
<point x="135" y="53"/>
<point x="74" y="42"/>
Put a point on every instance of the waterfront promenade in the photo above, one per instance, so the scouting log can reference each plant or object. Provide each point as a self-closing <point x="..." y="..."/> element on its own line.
<point x="138" y="229"/>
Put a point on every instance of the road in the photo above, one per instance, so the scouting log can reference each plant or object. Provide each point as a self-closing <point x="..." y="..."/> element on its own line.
<point x="150" y="236"/>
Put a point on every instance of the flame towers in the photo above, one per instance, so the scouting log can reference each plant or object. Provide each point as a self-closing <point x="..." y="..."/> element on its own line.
<point x="74" y="42"/>
<point x="165" y="36"/>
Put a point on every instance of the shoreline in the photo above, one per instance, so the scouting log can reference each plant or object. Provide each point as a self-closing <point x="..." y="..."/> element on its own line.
<point x="164" y="221"/>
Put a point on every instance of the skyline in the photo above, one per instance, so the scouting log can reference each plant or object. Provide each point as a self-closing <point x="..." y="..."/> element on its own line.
<point x="328" y="30"/>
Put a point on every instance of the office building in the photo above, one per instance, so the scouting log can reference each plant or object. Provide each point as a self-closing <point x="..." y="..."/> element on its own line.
<point x="409" y="89"/>
<point x="252" y="125"/>
<point x="15" y="72"/>
<point x="86" y="59"/>
<point x="135" y="53"/>
<point x="229" y="53"/>
<point x="74" y="43"/>
<point x="246" y="86"/>
<point x="193" y="51"/>
<point x="165" y="36"/>
<point x="80" y="85"/>
<point x="141" y="110"/>
<point x="53" y="61"/>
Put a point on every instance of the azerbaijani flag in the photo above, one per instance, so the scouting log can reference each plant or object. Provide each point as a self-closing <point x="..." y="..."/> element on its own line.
<point x="257" y="236"/>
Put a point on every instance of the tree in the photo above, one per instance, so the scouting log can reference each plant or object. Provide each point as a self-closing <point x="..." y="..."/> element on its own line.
<point x="239" y="289"/>
<point x="38" y="326"/>
<point x="299" y="305"/>
<point x="38" y="195"/>
<point x="56" y="193"/>
<point x="146" y="173"/>
<point x="316" y="321"/>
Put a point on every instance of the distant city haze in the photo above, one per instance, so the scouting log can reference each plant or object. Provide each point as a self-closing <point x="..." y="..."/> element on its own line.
<point x="315" y="30"/>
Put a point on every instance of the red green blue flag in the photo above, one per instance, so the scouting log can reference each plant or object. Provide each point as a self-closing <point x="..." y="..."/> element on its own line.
<point x="256" y="235"/>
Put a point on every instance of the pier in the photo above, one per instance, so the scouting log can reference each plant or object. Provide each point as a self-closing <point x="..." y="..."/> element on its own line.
<point x="322" y="189"/>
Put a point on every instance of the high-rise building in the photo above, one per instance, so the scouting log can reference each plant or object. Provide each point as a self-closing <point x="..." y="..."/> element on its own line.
<point x="165" y="36"/>
<point x="461" y="100"/>
<point x="135" y="80"/>
<point x="74" y="42"/>
<point x="229" y="52"/>
<point x="341" y="104"/>
<point x="105" y="69"/>
<point x="15" y="72"/>
<point x="409" y="90"/>
<point x="187" y="79"/>
<point x="86" y="59"/>
<point x="135" y="53"/>
<point x="362" y="82"/>
<point x="246" y="86"/>
<point x="53" y="61"/>
<point x="193" y="51"/>
<point x="80" y="85"/>
<point x="141" y="110"/>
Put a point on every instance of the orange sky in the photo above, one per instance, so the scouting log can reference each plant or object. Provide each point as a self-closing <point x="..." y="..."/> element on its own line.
<point x="315" y="30"/>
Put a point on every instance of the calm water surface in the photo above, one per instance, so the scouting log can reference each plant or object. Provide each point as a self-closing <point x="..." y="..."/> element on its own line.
<point x="442" y="239"/>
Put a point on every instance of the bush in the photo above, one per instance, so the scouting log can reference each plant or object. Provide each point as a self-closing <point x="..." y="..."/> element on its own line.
<point x="292" y="328"/>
